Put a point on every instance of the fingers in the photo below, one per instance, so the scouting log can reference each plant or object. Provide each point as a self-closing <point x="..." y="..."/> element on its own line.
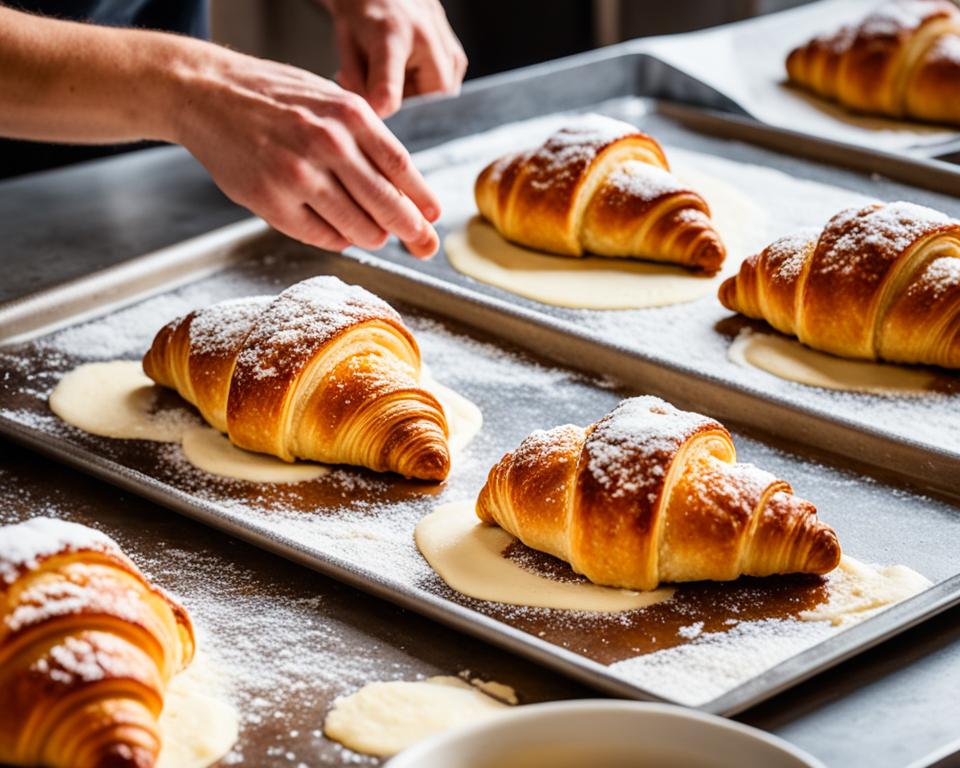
<point x="352" y="73"/>
<point x="441" y="64"/>
<point x="304" y="224"/>
<point x="426" y="246"/>
<point x="392" y="159"/>
<point x="460" y="61"/>
<point x="392" y="211"/>
<point x="387" y="64"/>
<point x="333" y="204"/>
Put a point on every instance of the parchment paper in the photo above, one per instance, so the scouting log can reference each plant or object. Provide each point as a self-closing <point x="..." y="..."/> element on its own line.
<point x="745" y="62"/>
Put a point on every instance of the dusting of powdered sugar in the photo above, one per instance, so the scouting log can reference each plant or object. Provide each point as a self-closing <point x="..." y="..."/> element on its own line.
<point x="713" y="663"/>
<point x="900" y="17"/>
<point x="886" y="229"/>
<point x="939" y="276"/>
<point x="636" y="179"/>
<point x="946" y="50"/>
<point x="628" y="450"/>
<point x="788" y="254"/>
<point x="85" y="660"/>
<point x="46" y="600"/>
<point x="301" y="320"/>
<point x="219" y="328"/>
<point x="740" y="485"/>
<point x="696" y="336"/>
<point x="25" y="545"/>
<point x="571" y="149"/>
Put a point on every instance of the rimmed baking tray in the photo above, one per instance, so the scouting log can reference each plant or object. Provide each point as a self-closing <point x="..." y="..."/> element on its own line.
<point x="795" y="181"/>
<point x="358" y="527"/>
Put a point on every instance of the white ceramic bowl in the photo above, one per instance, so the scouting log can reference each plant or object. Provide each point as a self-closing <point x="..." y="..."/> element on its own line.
<point x="611" y="734"/>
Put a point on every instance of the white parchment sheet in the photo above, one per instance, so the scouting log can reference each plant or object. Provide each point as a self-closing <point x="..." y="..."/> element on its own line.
<point x="745" y="61"/>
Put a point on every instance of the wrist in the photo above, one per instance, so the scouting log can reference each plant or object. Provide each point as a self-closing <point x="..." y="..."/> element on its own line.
<point x="180" y="71"/>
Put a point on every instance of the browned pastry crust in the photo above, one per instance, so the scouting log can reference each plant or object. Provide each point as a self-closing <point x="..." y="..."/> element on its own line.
<point x="599" y="186"/>
<point x="87" y="647"/>
<point x="325" y="371"/>
<point x="881" y="282"/>
<point x="652" y="494"/>
<point x="902" y="60"/>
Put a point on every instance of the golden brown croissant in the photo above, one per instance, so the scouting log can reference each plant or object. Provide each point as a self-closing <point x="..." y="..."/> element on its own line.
<point x="601" y="187"/>
<point x="87" y="647"/>
<point x="325" y="371"/>
<point x="652" y="494"/>
<point x="881" y="282"/>
<point x="902" y="60"/>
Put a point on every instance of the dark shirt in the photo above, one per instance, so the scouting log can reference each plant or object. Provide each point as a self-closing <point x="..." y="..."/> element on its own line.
<point x="189" y="17"/>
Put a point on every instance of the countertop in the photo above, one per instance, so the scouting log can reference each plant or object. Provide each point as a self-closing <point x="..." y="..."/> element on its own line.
<point x="888" y="707"/>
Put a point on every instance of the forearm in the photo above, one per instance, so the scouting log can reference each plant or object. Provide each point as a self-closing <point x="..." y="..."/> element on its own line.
<point x="311" y="158"/>
<point x="69" y="82"/>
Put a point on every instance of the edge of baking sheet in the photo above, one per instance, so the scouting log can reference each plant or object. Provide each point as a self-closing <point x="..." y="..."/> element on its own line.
<point x="926" y="173"/>
<point x="788" y="673"/>
<point x="542" y="334"/>
<point x="610" y="73"/>
<point x="564" y="342"/>
<point x="555" y="340"/>
<point x="626" y="69"/>
<point x="109" y="289"/>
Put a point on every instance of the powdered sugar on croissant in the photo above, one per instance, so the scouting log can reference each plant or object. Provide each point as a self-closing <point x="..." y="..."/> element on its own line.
<point x="901" y="60"/>
<point x="880" y="282"/>
<point x="325" y="371"/>
<point x="603" y="187"/>
<point x="653" y="494"/>
<point x="87" y="647"/>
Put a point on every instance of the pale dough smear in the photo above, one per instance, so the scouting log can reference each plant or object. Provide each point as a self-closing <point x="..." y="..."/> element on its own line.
<point x="197" y="726"/>
<point x="384" y="718"/>
<point x="464" y="418"/>
<point x="468" y="555"/>
<point x="857" y="591"/>
<point x="480" y="252"/>
<point x="116" y="399"/>
<point x="211" y="451"/>
<point x="788" y="359"/>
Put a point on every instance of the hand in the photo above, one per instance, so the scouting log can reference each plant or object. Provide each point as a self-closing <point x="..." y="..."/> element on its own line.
<point x="394" y="48"/>
<point x="309" y="157"/>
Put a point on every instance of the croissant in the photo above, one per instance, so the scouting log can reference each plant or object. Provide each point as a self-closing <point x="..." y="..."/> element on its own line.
<point x="881" y="282"/>
<point x="87" y="647"/>
<point x="602" y="187"/>
<point x="652" y="494"/>
<point x="902" y="60"/>
<point x="325" y="371"/>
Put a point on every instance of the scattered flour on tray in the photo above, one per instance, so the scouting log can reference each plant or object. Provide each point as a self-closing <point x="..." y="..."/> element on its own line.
<point x="715" y="662"/>
<point x="693" y="335"/>
<point x="712" y="663"/>
<point x="362" y="522"/>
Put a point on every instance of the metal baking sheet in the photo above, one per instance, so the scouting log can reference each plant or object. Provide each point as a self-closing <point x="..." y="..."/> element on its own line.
<point x="358" y="527"/>
<point x="284" y="664"/>
<point x="917" y="436"/>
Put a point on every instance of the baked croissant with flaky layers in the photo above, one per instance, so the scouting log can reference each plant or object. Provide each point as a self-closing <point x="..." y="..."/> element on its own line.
<point x="603" y="187"/>
<point x="87" y="647"/>
<point x="880" y="282"/>
<point x="902" y="60"/>
<point x="651" y="494"/>
<point x="325" y="371"/>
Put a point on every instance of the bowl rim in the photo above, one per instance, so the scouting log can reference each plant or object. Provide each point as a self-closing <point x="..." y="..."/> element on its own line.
<point x="418" y="752"/>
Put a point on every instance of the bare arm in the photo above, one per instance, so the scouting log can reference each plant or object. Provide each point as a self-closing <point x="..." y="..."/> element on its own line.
<point x="311" y="158"/>
<point x="62" y="81"/>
